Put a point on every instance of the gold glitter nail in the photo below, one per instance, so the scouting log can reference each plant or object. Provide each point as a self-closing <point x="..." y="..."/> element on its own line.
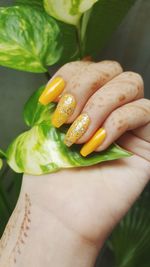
<point x="77" y="129"/>
<point x="64" y="110"/>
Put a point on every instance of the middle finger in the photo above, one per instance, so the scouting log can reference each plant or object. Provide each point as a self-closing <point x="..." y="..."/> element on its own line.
<point x="123" y="89"/>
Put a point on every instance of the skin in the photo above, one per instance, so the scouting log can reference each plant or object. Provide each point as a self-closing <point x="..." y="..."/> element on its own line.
<point x="72" y="212"/>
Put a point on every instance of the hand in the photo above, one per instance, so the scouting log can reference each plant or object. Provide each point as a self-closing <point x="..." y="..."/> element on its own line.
<point x="87" y="203"/>
<point x="99" y="95"/>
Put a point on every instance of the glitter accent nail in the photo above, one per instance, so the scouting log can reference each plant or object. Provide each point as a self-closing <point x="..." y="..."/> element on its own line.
<point x="77" y="129"/>
<point x="64" y="110"/>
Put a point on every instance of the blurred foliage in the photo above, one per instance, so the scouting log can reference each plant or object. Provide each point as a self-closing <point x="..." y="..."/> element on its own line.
<point x="10" y="183"/>
<point x="130" y="241"/>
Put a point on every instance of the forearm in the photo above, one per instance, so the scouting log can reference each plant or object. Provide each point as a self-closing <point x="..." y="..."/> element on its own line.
<point x="36" y="237"/>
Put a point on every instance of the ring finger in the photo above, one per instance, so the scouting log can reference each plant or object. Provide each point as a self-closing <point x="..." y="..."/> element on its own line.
<point x="123" y="89"/>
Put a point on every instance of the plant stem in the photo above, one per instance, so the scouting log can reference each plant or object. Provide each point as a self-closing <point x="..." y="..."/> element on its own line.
<point x="48" y="76"/>
<point x="79" y="40"/>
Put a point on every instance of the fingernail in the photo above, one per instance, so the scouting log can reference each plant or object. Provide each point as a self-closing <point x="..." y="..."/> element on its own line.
<point x="77" y="129"/>
<point x="94" y="142"/>
<point x="52" y="90"/>
<point x="64" y="110"/>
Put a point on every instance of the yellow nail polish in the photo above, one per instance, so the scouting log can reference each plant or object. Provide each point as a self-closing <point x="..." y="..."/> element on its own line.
<point x="94" y="142"/>
<point x="64" y="110"/>
<point x="52" y="90"/>
<point x="77" y="129"/>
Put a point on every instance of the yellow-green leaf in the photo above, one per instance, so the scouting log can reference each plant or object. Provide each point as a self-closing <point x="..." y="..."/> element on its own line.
<point x="68" y="11"/>
<point x="29" y="39"/>
<point x="42" y="150"/>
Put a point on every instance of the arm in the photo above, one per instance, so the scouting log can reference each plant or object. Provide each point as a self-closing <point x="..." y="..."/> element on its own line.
<point x="64" y="218"/>
<point x="35" y="236"/>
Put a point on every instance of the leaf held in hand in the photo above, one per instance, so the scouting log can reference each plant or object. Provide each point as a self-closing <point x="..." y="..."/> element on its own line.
<point x="68" y="11"/>
<point x="42" y="150"/>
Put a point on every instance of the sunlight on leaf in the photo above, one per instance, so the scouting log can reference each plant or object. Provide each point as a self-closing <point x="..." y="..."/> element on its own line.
<point x="68" y="11"/>
<point x="26" y="45"/>
<point x="42" y="150"/>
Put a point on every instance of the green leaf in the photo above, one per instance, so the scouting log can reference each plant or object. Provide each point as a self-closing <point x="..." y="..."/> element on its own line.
<point x="2" y="156"/>
<point x="130" y="241"/>
<point x="36" y="3"/>
<point x="1" y="164"/>
<point x="34" y="112"/>
<point x="29" y="39"/>
<point x="68" y="11"/>
<point x="42" y="150"/>
<point x="100" y="22"/>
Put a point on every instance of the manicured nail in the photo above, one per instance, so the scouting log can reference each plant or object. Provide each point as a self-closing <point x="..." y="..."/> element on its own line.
<point x="77" y="129"/>
<point x="94" y="142"/>
<point x="64" y="110"/>
<point x="52" y="90"/>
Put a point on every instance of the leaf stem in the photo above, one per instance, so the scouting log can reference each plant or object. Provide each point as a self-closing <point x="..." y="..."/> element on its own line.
<point x="47" y="75"/>
<point x="79" y="40"/>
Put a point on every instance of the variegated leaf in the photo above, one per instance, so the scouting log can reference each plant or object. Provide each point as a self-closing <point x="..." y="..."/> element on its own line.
<point x="68" y="11"/>
<point x="29" y="39"/>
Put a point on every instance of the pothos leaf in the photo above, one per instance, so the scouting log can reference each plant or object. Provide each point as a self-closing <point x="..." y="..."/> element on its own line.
<point x="1" y="164"/>
<point x="68" y="11"/>
<point x="34" y="112"/>
<point x="37" y="3"/>
<point x="2" y="155"/>
<point x="42" y="150"/>
<point x="104" y="16"/>
<point x="30" y="39"/>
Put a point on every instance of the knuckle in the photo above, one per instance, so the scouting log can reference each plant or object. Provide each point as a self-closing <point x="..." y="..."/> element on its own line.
<point x="132" y="82"/>
<point x="144" y="104"/>
<point x="117" y="120"/>
<point x="135" y="78"/>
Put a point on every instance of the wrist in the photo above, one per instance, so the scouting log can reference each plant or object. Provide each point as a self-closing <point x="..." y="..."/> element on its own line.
<point x="40" y="234"/>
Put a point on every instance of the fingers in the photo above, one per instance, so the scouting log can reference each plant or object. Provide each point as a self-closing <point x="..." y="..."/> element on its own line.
<point x="124" y="88"/>
<point x="58" y="82"/>
<point x="80" y="87"/>
<point x="143" y="132"/>
<point x="125" y="118"/>
<point x="135" y="145"/>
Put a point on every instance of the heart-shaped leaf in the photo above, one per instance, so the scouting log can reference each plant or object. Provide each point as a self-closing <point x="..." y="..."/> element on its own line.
<point x="42" y="150"/>
<point x="68" y="11"/>
<point x="31" y="40"/>
<point x="36" y="3"/>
